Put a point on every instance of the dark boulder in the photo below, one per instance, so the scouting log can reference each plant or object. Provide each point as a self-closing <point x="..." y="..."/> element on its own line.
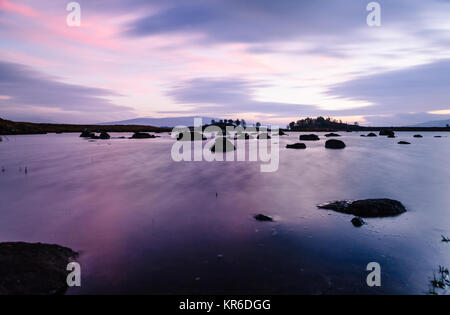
<point x="262" y="217"/>
<point x="87" y="134"/>
<point x="371" y="135"/>
<point x="142" y="135"/>
<point x="438" y="136"/>
<point x="296" y="146"/>
<point x="391" y="136"/>
<point x="334" y="144"/>
<point x="222" y="145"/>
<point x="311" y="137"/>
<point x="418" y="136"/>
<point x="191" y="136"/>
<point x="34" y="269"/>
<point x="387" y="132"/>
<point x="357" y="222"/>
<point x="403" y="142"/>
<point x="104" y="135"/>
<point x="366" y="208"/>
<point x="328" y="135"/>
<point x="281" y="133"/>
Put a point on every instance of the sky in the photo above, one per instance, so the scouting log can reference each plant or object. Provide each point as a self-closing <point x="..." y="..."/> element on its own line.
<point x="274" y="61"/>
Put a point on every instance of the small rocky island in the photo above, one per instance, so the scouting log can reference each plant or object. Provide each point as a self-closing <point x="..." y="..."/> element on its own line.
<point x="368" y="208"/>
<point x="34" y="268"/>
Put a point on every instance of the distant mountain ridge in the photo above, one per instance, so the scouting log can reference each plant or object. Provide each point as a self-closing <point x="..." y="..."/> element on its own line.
<point x="434" y="123"/>
<point x="162" y="122"/>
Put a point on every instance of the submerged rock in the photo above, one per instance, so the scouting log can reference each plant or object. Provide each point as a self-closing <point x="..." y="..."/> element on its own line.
<point x="296" y="146"/>
<point x="191" y="136"/>
<point x="438" y="136"/>
<point x="371" y="135"/>
<point x="328" y="135"/>
<point x="223" y="145"/>
<point x="366" y="208"/>
<point x="391" y="136"/>
<point x="34" y="268"/>
<point x="142" y="135"/>
<point x="311" y="137"/>
<point x="358" y="222"/>
<point x="403" y="142"/>
<point x="334" y="144"/>
<point x="418" y="136"/>
<point x="387" y="132"/>
<point x="262" y="217"/>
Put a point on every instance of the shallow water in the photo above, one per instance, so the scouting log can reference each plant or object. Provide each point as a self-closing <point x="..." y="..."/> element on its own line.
<point x="146" y="224"/>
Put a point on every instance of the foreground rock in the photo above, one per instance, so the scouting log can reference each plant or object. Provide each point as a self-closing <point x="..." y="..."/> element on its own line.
<point x="223" y="145"/>
<point x="142" y="135"/>
<point x="262" y="217"/>
<point x="34" y="268"/>
<point x="296" y="146"/>
<point x="403" y="142"/>
<point x="328" y="135"/>
<point x="334" y="144"/>
<point x="368" y="208"/>
<point x="357" y="222"/>
<point x="311" y="137"/>
<point x="190" y="136"/>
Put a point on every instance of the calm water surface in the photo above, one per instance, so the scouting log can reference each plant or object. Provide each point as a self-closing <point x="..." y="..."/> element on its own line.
<point x="146" y="224"/>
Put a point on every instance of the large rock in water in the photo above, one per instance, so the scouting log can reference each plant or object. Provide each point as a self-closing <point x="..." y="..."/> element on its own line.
<point x="104" y="135"/>
<point x="387" y="132"/>
<point x="334" y="144"/>
<point x="328" y="135"/>
<point x="142" y="135"/>
<point x="296" y="146"/>
<point x="418" y="136"/>
<point x="190" y="136"/>
<point x="371" y="135"/>
<point x="222" y="145"/>
<point x="368" y="208"/>
<point x="34" y="268"/>
<point x="403" y="142"/>
<point x="87" y="134"/>
<point x="262" y="217"/>
<point x="311" y="137"/>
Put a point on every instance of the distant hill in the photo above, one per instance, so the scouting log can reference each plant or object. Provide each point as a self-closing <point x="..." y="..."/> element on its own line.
<point x="162" y="122"/>
<point x="434" y="123"/>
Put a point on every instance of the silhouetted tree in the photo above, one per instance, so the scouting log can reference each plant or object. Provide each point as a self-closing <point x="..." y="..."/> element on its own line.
<point x="258" y="125"/>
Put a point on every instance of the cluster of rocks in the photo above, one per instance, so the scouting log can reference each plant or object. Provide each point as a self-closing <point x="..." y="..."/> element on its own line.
<point x="89" y="134"/>
<point x="329" y="144"/>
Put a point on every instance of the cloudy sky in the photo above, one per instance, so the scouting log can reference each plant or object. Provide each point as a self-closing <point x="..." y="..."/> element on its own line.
<point x="267" y="60"/>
